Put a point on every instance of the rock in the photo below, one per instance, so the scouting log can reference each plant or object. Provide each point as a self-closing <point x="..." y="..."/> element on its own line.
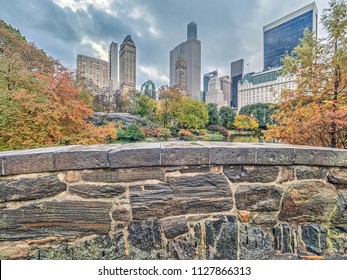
<point x="314" y="237"/>
<point x="98" y="248"/>
<point x="121" y="214"/>
<point x="310" y="172"/>
<point x="145" y="242"/>
<point x="221" y="238"/>
<point x="340" y="214"/>
<point x="251" y="174"/>
<point x="60" y="218"/>
<point x="265" y="218"/>
<point x="72" y="176"/>
<point x="284" y="238"/>
<point x="96" y="191"/>
<point x="275" y="155"/>
<point x="125" y="175"/>
<point x="175" y="226"/>
<point x="338" y="177"/>
<point x="197" y="194"/>
<point x="308" y="201"/>
<point x="258" y="198"/>
<point x="255" y="244"/>
<point x="181" y="249"/>
<point x="29" y="189"/>
<point x="125" y="118"/>
<point x="185" y="156"/>
<point x="244" y="216"/>
<point x="287" y="174"/>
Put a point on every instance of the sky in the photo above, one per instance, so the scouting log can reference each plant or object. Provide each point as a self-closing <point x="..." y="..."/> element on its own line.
<point x="228" y="29"/>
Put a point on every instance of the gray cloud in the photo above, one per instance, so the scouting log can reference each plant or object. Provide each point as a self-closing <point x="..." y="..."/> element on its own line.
<point x="228" y="29"/>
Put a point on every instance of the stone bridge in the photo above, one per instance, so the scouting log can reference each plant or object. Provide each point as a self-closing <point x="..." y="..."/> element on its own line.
<point x="199" y="200"/>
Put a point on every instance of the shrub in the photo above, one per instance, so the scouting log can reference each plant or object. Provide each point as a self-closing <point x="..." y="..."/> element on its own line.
<point x="162" y="133"/>
<point x="134" y="133"/>
<point x="184" y="132"/>
<point x="219" y="129"/>
<point x="121" y="133"/>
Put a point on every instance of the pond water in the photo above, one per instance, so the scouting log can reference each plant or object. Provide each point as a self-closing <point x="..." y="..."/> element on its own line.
<point x="244" y="138"/>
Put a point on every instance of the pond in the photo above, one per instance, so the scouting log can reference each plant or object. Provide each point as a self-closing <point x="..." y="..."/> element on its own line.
<point x="244" y="138"/>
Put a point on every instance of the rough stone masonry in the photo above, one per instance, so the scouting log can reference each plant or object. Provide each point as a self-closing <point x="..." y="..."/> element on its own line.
<point x="174" y="201"/>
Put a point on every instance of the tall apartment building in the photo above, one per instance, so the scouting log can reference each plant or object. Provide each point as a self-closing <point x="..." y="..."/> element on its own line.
<point x="113" y="62"/>
<point x="214" y="93"/>
<point x="191" y="51"/>
<point x="283" y="35"/>
<point x="236" y="74"/>
<point x="127" y="65"/>
<point x="93" y="73"/>
<point x="205" y="80"/>
<point x="225" y="85"/>
<point x="263" y="87"/>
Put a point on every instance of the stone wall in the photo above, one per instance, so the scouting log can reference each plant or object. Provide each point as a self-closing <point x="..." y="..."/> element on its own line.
<point x="174" y="201"/>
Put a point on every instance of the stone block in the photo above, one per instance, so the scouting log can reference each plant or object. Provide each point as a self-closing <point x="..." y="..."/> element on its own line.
<point x="121" y="214"/>
<point x="98" y="248"/>
<point x="285" y="239"/>
<point x="145" y="242"/>
<point x="60" y="218"/>
<point x="255" y="244"/>
<point x="181" y="248"/>
<point x="221" y="238"/>
<point x="233" y="155"/>
<point x="124" y="175"/>
<point x="310" y="172"/>
<point x="341" y="158"/>
<point x="135" y="156"/>
<point x="338" y="177"/>
<point x="174" y="226"/>
<point x="90" y="157"/>
<point x="97" y="191"/>
<point x="340" y="214"/>
<point x="185" y="156"/>
<point x="308" y="201"/>
<point x="275" y="156"/>
<point x="315" y="156"/>
<point x="287" y="174"/>
<point x="199" y="194"/>
<point x="315" y="238"/>
<point x="258" y="198"/>
<point x="30" y="188"/>
<point x="72" y="176"/>
<point x="251" y="174"/>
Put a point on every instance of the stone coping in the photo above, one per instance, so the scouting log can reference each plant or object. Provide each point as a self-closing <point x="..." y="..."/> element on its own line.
<point x="165" y="154"/>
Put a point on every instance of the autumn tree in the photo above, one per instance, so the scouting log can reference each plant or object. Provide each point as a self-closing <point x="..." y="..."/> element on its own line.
<point x="261" y="111"/>
<point x="315" y="113"/>
<point x="244" y="122"/>
<point x="40" y="104"/>
<point x="145" y="107"/>
<point x="192" y="113"/>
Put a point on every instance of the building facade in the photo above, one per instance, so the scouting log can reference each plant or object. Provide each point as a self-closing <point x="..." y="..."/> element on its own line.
<point x="148" y="88"/>
<point x="93" y="73"/>
<point x="236" y="74"/>
<point x="113" y="63"/>
<point x="214" y="93"/>
<point x="225" y="85"/>
<point x="283" y="35"/>
<point x="191" y="51"/>
<point x="206" y="79"/>
<point x="263" y="87"/>
<point x="127" y="65"/>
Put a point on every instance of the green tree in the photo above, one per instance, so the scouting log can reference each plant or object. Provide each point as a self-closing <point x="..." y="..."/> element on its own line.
<point x="168" y="107"/>
<point x="145" y="107"/>
<point x="244" y="122"/>
<point x="212" y="114"/>
<point x="315" y="113"/>
<point x="261" y="111"/>
<point x="193" y="113"/>
<point x="226" y="116"/>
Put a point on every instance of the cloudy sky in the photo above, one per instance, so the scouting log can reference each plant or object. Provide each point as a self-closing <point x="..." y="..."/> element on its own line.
<point x="228" y="29"/>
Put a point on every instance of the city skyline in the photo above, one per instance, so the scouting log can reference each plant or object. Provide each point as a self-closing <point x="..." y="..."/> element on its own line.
<point x="228" y="30"/>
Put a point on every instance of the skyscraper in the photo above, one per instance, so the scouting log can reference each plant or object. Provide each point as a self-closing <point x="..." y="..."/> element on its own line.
<point x="225" y="85"/>
<point x="236" y="74"/>
<point x="93" y="73"/>
<point x="214" y="93"/>
<point x="127" y="65"/>
<point x="148" y="88"/>
<point x="206" y="79"/>
<point x="181" y="74"/>
<point x="113" y="61"/>
<point x="192" y="30"/>
<point x="283" y="35"/>
<point x="191" y="51"/>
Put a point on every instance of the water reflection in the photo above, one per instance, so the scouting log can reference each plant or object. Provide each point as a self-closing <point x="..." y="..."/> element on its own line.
<point x="244" y="138"/>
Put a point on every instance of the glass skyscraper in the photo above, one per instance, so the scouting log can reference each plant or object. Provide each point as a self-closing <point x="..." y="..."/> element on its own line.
<point x="192" y="30"/>
<point x="283" y="35"/>
<point x="236" y="74"/>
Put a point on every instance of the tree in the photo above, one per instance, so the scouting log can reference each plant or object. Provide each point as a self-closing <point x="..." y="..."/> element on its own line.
<point x="226" y="116"/>
<point x="169" y="104"/>
<point x="315" y="113"/>
<point x="261" y="111"/>
<point x="212" y="114"/>
<point x="145" y="107"/>
<point x="192" y="113"/>
<point x="244" y="122"/>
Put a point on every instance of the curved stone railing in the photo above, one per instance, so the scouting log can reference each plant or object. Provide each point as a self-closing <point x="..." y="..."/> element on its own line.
<point x="198" y="200"/>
